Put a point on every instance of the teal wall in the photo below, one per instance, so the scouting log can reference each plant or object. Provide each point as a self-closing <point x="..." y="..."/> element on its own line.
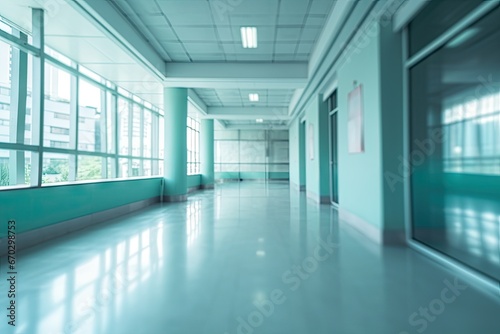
<point x="38" y="207"/>
<point x="363" y="191"/>
<point x="392" y="123"/>
<point x="360" y="175"/>
<point x="317" y="169"/>
<point x="294" y="154"/>
<point x="193" y="181"/>
<point x="312" y="166"/>
<point x="302" y="153"/>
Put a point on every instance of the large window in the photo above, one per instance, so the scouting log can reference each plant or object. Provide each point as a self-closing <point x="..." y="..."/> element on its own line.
<point x="193" y="146"/>
<point x="251" y="154"/>
<point x="92" y="129"/>
<point x="15" y="114"/>
<point x="455" y="144"/>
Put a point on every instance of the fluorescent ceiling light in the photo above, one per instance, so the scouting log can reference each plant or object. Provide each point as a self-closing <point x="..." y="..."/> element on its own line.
<point x="463" y="38"/>
<point x="253" y="97"/>
<point x="259" y="120"/>
<point x="249" y="37"/>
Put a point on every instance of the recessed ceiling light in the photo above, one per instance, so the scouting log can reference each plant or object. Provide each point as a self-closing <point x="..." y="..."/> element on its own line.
<point x="249" y="37"/>
<point x="253" y="97"/>
<point x="259" y="120"/>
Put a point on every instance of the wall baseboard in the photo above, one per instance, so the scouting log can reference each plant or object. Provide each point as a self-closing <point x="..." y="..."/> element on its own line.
<point x="174" y="198"/>
<point x="395" y="237"/>
<point x="382" y="237"/>
<point x="361" y="225"/>
<point x="317" y="198"/>
<point x="297" y="187"/>
<point x="34" y="237"/>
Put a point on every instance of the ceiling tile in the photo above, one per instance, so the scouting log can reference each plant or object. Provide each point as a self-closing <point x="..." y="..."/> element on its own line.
<point x="284" y="57"/>
<point x="194" y="18"/>
<point x="163" y="33"/>
<point x="291" y="19"/>
<point x="173" y="47"/>
<point x="310" y="34"/>
<point x="202" y="48"/>
<point x="295" y="7"/>
<point x="144" y="7"/>
<point x="288" y="34"/>
<point x="302" y="57"/>
<point x="154" y="20"/>
<point x="189" y="34"/>
<point x="285" y="47"/>
<point x="305" y="47"/>
<point x="253" y="7"/>
<point x="176" y="7"/>
<point x="321" y="6"/>
<point x="252" y="21"/>
<point x="315" y="20"/>
<point x="225" y="34"/>
<point x="230" y="47"/>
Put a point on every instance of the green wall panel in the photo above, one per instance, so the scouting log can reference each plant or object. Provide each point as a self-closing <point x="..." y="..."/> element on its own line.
<point x="39" y="207"/>
<point x="193" y="181"/>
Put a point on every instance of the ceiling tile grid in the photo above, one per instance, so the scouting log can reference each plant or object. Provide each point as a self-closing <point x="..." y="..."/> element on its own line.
<point x="201" y="30"/>
<point x="209" y="31"/>
<point x="239" y="97"/>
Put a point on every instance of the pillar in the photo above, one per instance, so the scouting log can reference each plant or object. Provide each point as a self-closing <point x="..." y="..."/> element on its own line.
<point x="207" y="153"/>
<point x="175" y="107"/>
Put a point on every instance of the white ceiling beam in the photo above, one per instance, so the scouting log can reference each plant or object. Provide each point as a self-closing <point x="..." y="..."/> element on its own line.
<point x="250" y="113"/>
<point x="197" y="101"/>
<point x="237" y="75"/>
<point x="256" y="126"/>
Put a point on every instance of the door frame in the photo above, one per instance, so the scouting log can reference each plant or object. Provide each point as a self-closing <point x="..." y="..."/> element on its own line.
<point x="330" y="154"/>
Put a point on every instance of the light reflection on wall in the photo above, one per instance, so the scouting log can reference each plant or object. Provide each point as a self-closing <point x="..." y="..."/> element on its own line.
<point x="90" y="291"/>
<point x="471" y="128"/>
<point x="475" y="232"/>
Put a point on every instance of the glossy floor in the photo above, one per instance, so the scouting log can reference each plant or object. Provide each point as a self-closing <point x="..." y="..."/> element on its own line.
<point x="243" y="258"/>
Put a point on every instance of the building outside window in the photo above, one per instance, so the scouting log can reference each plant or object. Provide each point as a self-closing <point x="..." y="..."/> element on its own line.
<point x="109" y="134"/>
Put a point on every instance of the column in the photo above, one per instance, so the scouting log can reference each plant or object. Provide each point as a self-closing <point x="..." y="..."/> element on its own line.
<point x="207" y="153"/>
<point x="175" y="107"/>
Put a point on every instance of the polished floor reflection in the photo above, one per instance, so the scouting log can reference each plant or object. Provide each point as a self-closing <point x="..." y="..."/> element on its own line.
<point x="243" y="258"/>
<point x="465" y="227"/>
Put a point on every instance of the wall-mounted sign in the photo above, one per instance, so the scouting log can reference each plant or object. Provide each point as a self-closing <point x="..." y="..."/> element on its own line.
<point x="355" y="121"/>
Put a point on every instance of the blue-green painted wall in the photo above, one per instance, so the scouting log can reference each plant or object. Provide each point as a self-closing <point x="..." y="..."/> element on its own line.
<point x="392" y="122"/>
<point x="316" y="156"/>
<point x="193" y="181"/>
<point x="38" y="207"/>
<point x="294" y="140"/>
<point x="360" y="175"/>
